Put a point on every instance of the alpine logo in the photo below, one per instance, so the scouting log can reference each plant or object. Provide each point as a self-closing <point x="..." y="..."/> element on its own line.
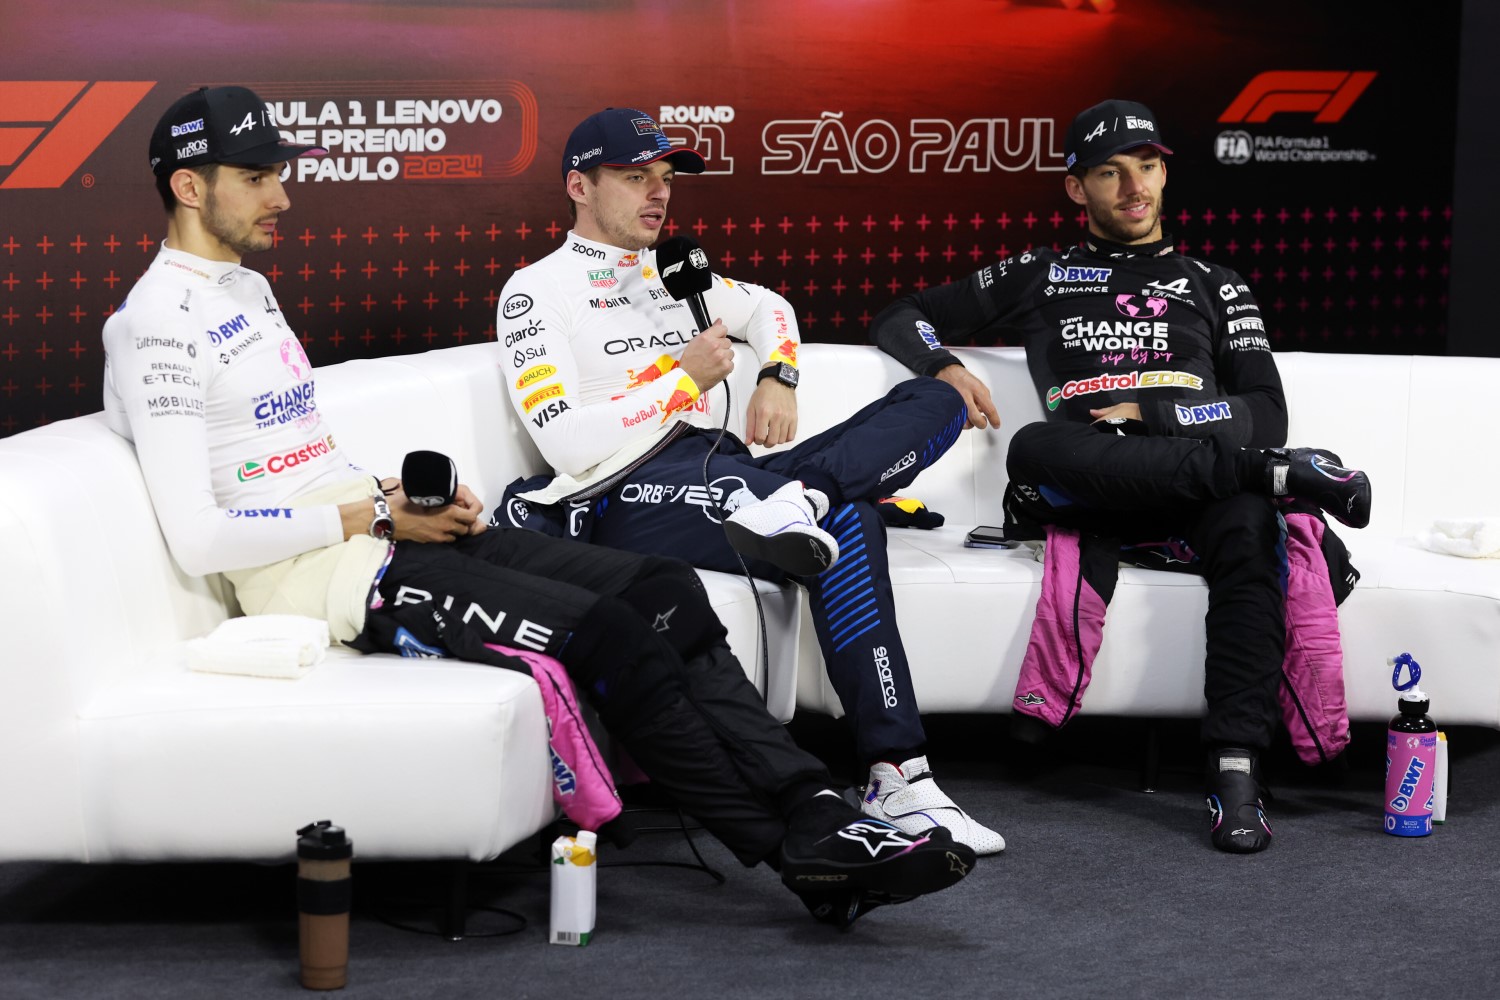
<point x="48" y="128"/>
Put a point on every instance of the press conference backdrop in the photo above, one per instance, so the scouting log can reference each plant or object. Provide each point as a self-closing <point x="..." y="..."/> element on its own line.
<point x="858" y="150"/>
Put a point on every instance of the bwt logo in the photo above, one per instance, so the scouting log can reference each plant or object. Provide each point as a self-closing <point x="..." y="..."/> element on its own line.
<point x="49" y="127"/>
<point x="1328" y="93"/>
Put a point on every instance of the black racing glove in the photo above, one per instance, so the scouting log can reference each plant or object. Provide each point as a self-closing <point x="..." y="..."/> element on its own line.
<point x="905" y="512"/>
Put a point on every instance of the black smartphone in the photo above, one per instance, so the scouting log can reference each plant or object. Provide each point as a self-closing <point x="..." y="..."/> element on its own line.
<point x="987" y="537"/>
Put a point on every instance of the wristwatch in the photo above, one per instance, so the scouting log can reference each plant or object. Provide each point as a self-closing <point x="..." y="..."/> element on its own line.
<point x="382" y="526"/>
<point x="782" y="372"/>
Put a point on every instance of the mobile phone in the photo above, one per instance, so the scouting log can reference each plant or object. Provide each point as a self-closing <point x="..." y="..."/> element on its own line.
<point x="988" y="537"/>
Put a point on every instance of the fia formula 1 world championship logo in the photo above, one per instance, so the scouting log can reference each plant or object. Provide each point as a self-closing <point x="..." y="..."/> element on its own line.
<point x="48" y="128"/>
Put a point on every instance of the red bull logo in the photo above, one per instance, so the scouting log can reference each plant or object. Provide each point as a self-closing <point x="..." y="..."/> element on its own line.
<point x="656" y="370"/>
<point x="628" y="260"/>
<point x="786" y="351"/>
<point x="682" y="398"/>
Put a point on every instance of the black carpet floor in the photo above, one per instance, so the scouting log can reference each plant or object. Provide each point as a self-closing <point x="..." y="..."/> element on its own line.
<point x="1103" y="891"/>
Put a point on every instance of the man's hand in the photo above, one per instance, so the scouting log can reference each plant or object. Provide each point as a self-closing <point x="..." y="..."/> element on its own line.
<point x="709" y="357"/>
<point x="771" y="417"/>
<point x="1129" y="411"/>
<point x="415" y="523"/>
<point x="982" y="412"/>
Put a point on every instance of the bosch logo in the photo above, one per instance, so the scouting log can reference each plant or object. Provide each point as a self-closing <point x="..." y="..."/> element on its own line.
<point x="516" y="305"/>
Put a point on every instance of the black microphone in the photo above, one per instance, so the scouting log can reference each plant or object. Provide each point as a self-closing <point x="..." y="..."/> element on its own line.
<point x="685" y="274"/>
<point x="429" y="478"/>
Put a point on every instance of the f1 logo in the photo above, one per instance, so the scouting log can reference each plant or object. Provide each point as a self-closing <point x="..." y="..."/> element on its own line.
<point x="1328" y="93"/>
<point x="49" y="127"/>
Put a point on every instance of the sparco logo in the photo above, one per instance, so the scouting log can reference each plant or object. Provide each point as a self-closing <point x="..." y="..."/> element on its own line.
<point x="883" y="671"/>
<point x="907" y="461"/>
<point x="516" y="305"/>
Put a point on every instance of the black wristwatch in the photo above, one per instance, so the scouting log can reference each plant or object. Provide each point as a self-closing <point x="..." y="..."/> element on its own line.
<point x="782" y="372"/>
<point x="382" y="526"/>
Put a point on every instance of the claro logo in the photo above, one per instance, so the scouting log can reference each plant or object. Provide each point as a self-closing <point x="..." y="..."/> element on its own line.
<point x="1327" y="93"/>
<point x="49" y="127"/>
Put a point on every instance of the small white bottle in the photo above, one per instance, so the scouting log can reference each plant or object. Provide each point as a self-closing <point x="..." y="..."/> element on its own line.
<point x="573" y="887"/>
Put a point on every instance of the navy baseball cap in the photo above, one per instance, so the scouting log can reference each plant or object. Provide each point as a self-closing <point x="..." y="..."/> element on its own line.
<point x="219" y="125"/>
<point x="624" y="137"/>
<point x="1108" y="128"/>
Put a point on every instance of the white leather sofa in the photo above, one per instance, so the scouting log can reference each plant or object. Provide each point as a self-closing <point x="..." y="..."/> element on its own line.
<point x="111" y="750"/>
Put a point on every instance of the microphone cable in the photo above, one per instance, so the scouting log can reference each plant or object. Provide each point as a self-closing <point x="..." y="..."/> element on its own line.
<point x="764" y="654"/>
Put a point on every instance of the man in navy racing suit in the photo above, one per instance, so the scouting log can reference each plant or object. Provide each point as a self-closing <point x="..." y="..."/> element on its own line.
<point x="615" y="384"/>
<point x="207" y="380"/>
<point x="1168" y="357"/>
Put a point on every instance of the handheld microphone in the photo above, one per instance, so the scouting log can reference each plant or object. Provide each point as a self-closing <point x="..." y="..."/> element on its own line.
<point x="685" y="275"/>
<point x="429" y="478"/>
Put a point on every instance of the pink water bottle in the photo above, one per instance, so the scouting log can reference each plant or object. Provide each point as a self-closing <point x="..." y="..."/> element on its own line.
<point x="1410" y="757"/>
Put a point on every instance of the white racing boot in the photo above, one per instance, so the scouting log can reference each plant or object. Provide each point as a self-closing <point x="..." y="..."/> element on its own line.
<point x="909" y="798"/>
<point x="783" y="530"/>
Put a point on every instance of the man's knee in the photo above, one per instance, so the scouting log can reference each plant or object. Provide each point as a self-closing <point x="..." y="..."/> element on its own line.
<point x="668" y="595"/>
<point x="1239" y="527"/>
<point x="619" y="663"/>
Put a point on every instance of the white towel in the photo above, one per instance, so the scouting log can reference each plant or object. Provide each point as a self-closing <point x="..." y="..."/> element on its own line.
<point x="1472" y="538"/>
<point x="285" y="646"/>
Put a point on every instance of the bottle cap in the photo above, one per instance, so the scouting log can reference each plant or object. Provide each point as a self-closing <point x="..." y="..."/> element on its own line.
<point x="324" y="841"/>
<point x="589" y="840"/>
<point x="1413" y="702"/>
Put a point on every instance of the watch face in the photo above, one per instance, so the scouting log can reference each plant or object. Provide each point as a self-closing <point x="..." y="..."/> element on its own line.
<point x="788" y="375"/>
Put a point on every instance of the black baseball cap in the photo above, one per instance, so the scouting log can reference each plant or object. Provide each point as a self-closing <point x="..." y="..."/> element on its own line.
<point x="624" y="137"/>
<point x="219" y="125"/>
<point x="1110" y="127"/>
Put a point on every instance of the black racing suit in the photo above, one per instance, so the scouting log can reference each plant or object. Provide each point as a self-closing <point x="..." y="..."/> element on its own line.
<point x="1184" y="339"/>
<point x="644" y="647"/>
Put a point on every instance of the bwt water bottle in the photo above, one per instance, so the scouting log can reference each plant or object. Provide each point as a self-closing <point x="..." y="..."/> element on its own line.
<point x="1410" y="757"/>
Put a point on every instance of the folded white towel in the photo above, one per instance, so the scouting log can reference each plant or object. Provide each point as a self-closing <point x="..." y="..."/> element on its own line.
<point x="286" y="646"/>
<point x="1472" y="538"/>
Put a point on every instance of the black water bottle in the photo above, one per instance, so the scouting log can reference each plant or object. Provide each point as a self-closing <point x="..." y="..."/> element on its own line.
<point x="324" y="890"/>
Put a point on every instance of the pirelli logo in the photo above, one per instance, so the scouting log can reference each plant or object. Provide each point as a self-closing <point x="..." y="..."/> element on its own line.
<point x="48" y="128"/>
<point x="1328" y="94"/>
<point x="539" y="397"/>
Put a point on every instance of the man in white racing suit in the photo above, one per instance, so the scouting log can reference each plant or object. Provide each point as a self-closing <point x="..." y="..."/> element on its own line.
<point x="614" y="381"/>
<point x="207" y="380"/>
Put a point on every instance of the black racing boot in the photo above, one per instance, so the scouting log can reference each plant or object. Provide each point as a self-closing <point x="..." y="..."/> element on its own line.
<point x="1319" y="475"/>
<point x="1237" y="820"/>
<point x="842" y="863"/>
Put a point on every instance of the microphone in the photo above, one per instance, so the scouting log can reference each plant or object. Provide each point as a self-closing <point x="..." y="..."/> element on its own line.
<point x="685" y="275"/>
<point x="430" y="478"/>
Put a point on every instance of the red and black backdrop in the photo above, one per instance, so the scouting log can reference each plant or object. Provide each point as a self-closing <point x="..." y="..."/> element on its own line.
<point x="858" y="149"/>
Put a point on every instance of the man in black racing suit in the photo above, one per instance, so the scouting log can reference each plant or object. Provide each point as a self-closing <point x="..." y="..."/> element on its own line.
<point x="1168" y="357"/>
